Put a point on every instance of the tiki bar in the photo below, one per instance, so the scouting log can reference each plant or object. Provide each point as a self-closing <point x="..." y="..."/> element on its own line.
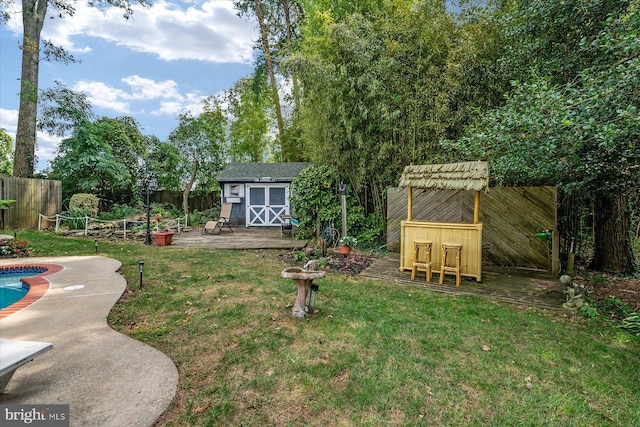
<point x="444" y="248"/>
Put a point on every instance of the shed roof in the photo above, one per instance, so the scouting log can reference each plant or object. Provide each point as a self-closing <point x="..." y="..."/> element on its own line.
<point x="449" y="176"/>
<point x="250" y="172"/>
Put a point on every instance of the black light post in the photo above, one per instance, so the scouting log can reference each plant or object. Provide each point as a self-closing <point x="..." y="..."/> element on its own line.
<point x="96" y="243"/>
<point x="147" y="239"/>
<point x="141" y="270"/>
<point x="15" y="232"/>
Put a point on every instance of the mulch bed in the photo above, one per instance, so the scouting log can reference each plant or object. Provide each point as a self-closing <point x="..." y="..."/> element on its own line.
<point x="602" y="286"/>
<point x="351" y="265"/>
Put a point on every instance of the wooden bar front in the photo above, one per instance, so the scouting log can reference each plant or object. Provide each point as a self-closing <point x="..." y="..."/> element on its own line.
<point x="469" y="235"/>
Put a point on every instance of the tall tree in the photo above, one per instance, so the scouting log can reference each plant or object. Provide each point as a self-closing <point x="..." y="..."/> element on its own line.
<point x="62" y="110"/>
<point x="581" y="136"/>
<point x="383" y="82"/>
<point x="85" y="163"/>
<point x="34" y="14"/>
<point x="248" y="105"/>
<point x="200" y="144"/>
<point x="278" y="22"/>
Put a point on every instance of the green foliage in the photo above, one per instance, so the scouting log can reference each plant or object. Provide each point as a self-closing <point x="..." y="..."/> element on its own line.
<point x="588" y="311"/>
<point x="384" y="81"/>
<point x="6" y="153"/>
<point x="161" y="163"/>
<point x="119" y="211"/>
<point x="6" y="204"/>
<point x="15" y="248"/>
<point x="349" y="241"/>
<point x="248" y="104"/>
<point x="299" y="255"/>
<point x="580" y="135"/>
<point x="62" y="110"/>
<point x="86" y="163"/>
<point x="632" y="324"/>
<point x="75" y="218"/>
<point x="313" y="197"/>
<point x="86" y="203"/>
<point x="199" y="143"/>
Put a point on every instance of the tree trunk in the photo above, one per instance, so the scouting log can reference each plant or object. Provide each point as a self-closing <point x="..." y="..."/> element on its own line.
<point x="264" y="32"/>
<point x="612" y="239"/>
<point x="33" y="14"/>
<point x="187" y="190"/>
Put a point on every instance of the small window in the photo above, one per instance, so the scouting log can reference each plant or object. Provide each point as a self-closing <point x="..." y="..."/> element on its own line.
<point x="234" y="190"/>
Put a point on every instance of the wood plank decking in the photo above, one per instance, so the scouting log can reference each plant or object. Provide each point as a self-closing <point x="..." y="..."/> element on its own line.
<point x="511" y="285"/>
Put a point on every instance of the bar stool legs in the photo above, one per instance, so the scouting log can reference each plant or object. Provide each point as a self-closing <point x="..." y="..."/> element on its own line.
<point x="421" y="265"/>
<point x="450" y="250"/>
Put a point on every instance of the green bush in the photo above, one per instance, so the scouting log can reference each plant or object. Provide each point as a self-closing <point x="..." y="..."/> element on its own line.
<point x="313" y="198"/>
<point x="87" y="203"/>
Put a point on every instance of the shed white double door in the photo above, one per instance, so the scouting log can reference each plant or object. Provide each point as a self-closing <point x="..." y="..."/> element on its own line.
<point x="265" y="203"/>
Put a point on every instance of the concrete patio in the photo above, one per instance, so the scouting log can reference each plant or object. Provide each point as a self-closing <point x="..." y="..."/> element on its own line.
<point x="106" y="378"/>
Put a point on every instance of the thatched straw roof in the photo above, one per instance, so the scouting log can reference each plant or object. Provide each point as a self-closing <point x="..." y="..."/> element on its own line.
<point x="450" y="176"/>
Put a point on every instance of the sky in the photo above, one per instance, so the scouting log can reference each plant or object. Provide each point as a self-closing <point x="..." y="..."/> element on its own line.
<point x="162" y="61"/>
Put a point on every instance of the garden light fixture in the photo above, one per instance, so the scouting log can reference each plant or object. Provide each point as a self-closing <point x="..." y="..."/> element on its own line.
<point x="141" y="270"/>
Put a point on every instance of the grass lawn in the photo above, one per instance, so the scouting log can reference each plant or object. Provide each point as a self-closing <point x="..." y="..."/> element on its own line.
<point x="375" y="354"/>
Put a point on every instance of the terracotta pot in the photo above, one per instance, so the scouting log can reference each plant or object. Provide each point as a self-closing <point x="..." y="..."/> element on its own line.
<point x="345" y="250"/>
<point x="163" y="238"/>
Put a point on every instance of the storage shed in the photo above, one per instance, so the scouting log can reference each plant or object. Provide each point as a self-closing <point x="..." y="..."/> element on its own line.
<point x="259" y="191"/>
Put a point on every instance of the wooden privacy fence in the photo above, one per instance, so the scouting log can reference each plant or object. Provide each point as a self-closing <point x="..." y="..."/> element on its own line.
<point x="200" y="202"/>
<point x="511" y="218"/>
<point x="33" y="197"/>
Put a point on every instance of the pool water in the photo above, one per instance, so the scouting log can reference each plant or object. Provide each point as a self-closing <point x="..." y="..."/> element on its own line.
<point x="11" y="287"/>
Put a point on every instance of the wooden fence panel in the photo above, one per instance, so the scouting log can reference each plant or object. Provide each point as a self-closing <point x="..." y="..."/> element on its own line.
<point x="511" y="218"/>
<point x="199" y="203"/>
<point x="33" y="197"/>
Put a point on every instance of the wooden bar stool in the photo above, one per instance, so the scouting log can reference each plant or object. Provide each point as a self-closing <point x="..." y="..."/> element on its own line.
<point x="451" y="250"/>
<point x="421" y="265"/>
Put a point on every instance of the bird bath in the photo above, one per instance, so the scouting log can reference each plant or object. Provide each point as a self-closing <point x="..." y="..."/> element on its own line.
<point x="302" y="278"/>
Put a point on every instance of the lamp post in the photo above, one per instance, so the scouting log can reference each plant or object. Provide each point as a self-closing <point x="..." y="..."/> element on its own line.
<point x="96" y="243"/>
<point x="343" y="197"/>
<point x="15" y="232"/>
<point x="141" y="270"/>
<point x="147" y="239"/>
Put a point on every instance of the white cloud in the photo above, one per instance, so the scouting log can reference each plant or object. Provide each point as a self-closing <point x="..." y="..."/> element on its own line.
<point x="46" y="145"/>
<point x="209" y="31"/>
<point x="9" y="121"/>
<point x="46" y="149"/>
<point x="102" y="95"/>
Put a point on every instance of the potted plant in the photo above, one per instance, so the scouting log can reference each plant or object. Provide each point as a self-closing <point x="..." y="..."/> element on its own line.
<point x="346" y="243"/>
<point x="162" y="236"/>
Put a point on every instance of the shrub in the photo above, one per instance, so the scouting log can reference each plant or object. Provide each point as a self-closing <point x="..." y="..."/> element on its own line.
<point x="87" y="203"/>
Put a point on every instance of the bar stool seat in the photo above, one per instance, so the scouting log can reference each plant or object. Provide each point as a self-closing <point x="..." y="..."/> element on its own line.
<point x="418" y="264"/>
<point x="451" y="252"/>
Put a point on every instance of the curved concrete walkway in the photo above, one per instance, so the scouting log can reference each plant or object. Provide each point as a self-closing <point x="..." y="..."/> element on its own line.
<point x="107" y="378"/>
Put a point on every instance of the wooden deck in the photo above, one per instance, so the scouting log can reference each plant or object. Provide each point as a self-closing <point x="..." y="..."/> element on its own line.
<point x="512" y="285"/>
<point x="241" y="238"/>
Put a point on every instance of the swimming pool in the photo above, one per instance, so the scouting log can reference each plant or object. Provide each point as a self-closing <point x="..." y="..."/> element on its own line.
<point x="12" y="289"/>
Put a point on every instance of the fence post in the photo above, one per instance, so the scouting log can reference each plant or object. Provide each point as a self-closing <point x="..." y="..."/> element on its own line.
<point x="39" y="221"/>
